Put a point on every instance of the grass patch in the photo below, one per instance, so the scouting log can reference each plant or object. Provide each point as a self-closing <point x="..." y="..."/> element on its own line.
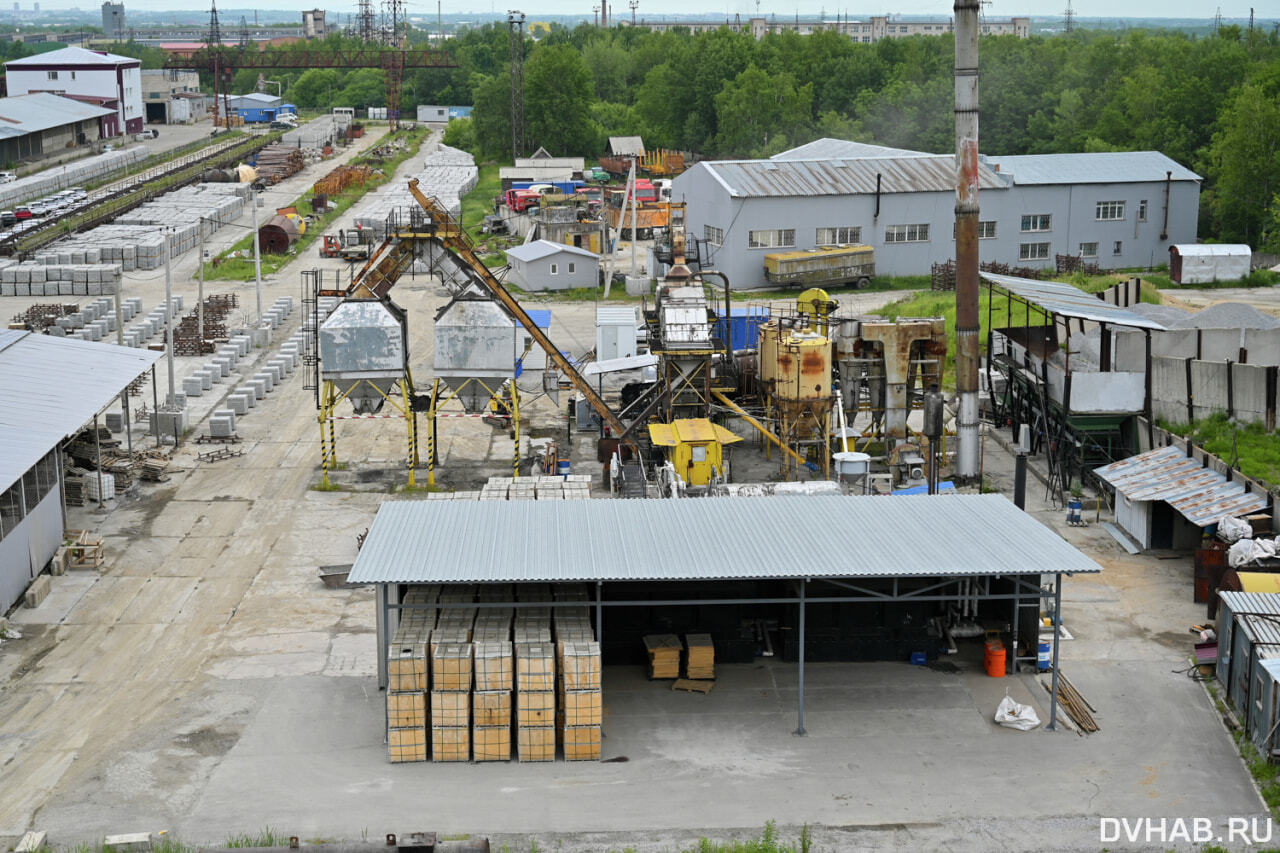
<point x="1257" y="449"/>
<point x="478" y="203"/>
<point x="266" y="837"/>
<point x="236" y="263"/>
<point x="880" y="283"/>
<point x="768" y="842"/>
<point x="317" y="487"/>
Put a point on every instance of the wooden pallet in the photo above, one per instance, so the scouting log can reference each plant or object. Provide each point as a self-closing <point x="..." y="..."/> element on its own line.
<point x="219" y="454"/>
<point x="218" y="439"/>
<point x="693" y="685"/>
<point x="85" y="551"/>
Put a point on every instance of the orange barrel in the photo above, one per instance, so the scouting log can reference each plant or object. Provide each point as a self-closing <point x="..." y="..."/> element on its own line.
<point x="993" y="660"/>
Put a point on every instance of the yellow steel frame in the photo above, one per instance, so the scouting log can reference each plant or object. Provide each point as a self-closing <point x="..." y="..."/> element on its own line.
<point x="400" y="398"/>
<point x="495" y="399"/>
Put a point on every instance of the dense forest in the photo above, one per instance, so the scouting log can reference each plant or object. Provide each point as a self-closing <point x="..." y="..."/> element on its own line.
<point x="1212" y="103"/>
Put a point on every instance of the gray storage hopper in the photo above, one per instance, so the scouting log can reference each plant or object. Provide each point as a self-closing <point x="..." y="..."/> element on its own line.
<point x="363" y="348"/>
<point x="475" y="339"/>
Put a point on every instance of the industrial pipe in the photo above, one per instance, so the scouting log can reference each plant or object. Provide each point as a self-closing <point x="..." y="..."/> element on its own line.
<point x="966" y="112"/>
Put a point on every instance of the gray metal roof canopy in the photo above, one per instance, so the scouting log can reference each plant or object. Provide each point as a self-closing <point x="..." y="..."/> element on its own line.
<point x="1068" y="301"/>
<point x="51" y="387"/>
<point x="754" y="538"/>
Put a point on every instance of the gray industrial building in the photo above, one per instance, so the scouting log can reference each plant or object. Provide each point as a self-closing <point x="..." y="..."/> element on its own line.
<point x="1116" y="210"/>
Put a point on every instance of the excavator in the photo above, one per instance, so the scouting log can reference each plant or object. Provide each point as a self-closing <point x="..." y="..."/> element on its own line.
<point x="433" y="233"/>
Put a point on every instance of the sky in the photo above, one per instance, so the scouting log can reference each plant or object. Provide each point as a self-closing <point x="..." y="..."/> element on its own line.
<point x="997" y="8"/>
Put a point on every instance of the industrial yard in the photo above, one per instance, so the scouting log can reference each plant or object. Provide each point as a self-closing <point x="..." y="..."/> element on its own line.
<point x="203" y="681"/>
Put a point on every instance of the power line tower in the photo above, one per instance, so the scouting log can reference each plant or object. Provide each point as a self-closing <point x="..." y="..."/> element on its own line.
<point x="633" y="4"/>
<point x="1069" y="18"/>
<point x="365" y="27"/>
<point x="1217" y="20"/>
<point x="244" y="32"/>
<point x="215" y="33"/>
<point x="515" y="27"/>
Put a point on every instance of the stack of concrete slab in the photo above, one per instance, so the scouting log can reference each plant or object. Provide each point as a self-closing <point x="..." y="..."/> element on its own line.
<point x="447" y="176"/>
<point x="73" y="174"/>
<point x="316" y="133"/>
<point x="74" y="278"/>
<point x="136" y="239"/>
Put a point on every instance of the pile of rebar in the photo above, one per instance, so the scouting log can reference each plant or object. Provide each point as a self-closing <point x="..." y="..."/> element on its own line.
<point x="188" y="338"/>
<point x="341" y="178"/>
<point x="277" y="162"/>
<point x="1074" y="703"/>
<point x="37" y="318"/>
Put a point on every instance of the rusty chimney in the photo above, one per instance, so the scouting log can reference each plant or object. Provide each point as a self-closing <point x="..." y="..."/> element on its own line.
<point x="966" y="80"/>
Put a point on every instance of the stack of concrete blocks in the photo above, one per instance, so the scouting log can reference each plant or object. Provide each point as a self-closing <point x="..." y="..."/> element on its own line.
<point x="447" y="175"/>
<point x="548" y="488"/>
<point x="56" y="278"/>
<point x="406" y="714"/>
<point x="451" y="680"/>
<point x="79" y="173"/>
<point x="170" y="420"/>
<point x="577" y="487"/>
<point x="522" y="489"/>
<point x="578" y="664"/>
<point x="222" y="424"/>
<point x="535" y="699"/>
<point x="315" y="134"/>
<point x="495" y="489"/>
<point x="136" y="240"/>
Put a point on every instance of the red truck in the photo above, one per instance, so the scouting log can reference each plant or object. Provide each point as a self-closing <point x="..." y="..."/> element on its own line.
<point x="521" y="200"/>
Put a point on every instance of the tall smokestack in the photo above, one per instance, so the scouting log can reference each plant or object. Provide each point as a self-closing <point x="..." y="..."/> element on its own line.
<point x="966" y="77"/>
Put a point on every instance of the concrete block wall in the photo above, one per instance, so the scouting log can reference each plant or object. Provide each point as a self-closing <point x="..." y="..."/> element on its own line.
<point x="447" y="175"/>
<point x="73" y="174"/>
<point x="1246" y="392"/>
<point x="1169" y="389"/>
<point x="1208" y="387"/>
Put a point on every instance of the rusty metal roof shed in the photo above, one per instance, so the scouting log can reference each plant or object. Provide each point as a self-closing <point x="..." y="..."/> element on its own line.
<point x="1069" y="301"/>
<point x="824" y="176"/>
<point x="1202" y="495"/>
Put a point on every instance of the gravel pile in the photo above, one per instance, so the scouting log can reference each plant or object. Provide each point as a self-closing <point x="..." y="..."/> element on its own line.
<point x="1228" y="315"/>
<point x="1165" y="315"/>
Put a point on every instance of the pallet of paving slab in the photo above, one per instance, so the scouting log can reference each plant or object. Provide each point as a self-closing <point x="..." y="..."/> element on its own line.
<point x="664" y="655"/>
<point x="218" y="439"/>
<point x="219" y="454"/>
<point x="693" y="685"/>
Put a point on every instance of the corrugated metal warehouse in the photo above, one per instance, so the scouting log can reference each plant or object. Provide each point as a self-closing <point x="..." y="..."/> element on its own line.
<point x="1116" y="210"/>
<point x="826" y="568"/>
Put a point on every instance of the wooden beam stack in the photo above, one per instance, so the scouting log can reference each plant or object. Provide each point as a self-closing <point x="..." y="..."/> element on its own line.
<point x="536" y="701"/>
<point x="664" y="655"/>
<point x="699" y="657"/>
<point x="451" y="671"/>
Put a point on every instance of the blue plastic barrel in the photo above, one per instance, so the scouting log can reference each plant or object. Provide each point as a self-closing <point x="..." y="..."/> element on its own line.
<point x="1044" y="656"/>
<point x="562" y="467"/>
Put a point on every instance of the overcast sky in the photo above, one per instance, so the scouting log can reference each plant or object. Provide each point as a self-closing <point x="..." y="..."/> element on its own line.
<point x="746" y="8"/>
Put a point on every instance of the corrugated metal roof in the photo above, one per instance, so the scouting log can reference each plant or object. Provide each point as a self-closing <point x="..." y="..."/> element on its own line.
<point x="1202" y="495"/>
<point x="545" y="248"/>
<point x="714" y="538"/>
<point x="626" y="146"/>
<point x="1251" y="602"/>
<point x="50" y="387"/>
<point x="822" y="149"/>
<point x="1262" y="628"/>
<point x="762" y="178"/>
<point x="23" y="114"/>
<point x="1069" y="301"/>
<point x="534" y="173"/>
<point x="1110" y="167"/>
<point x="1226" y="250"/>
<point x="74" y="56"/>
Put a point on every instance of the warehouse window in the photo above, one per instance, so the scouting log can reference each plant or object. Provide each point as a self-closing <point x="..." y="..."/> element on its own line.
<point x="845" y="234"/>
<point x="907" y="233"/>
<point x="713" y="235"/>
<point x="1110" y="211"/>
<point x="571" y="268"/>
<point x="10" y="509"/>
<point x="777" y="239"/>
<point x="1142" y="210"/>
<point x="986" y="230"/>
<point x="53" y="75"/>
<point x="1117" y="248"/>
<point x="1033" y="251"/>
<point x="555" y="269"/>
<point x="73" y="75"/>
<point x="1088" y="250"/>
<point x="1036" y="222"/>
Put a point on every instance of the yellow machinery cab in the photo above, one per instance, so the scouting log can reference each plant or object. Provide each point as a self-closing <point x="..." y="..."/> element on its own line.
<point x="697" y="446"/>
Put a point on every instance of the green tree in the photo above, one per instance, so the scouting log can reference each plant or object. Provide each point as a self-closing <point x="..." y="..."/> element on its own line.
<point x="315" y="88"/>
<point x="557" y="102"/>
<point x="491" y="118"/>
<point x="757" y="107"/>
<point x="364" y="87"/>
<point x="1245" y="164"/>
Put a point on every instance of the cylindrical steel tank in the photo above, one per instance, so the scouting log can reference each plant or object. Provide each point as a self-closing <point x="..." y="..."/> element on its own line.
<point x="275" y="237"/>
<point x="768" y="358"/>
<point x="803" y="367"/>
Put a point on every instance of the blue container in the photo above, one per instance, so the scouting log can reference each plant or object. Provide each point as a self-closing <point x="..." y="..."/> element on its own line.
<point x="919" y="658"/>
<point x="1044" y="656"/>
<point x="1074" y="510"/>
<point x="743" y="326"/>
<point x="562" y="467"/>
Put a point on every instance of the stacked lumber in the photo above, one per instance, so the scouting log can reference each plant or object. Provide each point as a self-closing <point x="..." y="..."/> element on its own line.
<point x="581" y="700"/>
<point x="699" y="657"/>
<point x="277" y="162"/>
<point x="664" y="655"/>
<point x="451" y="677"/>
<point x="491" y="701"/>
<point x="406" y="711"/>
<point x="536" y="701"/>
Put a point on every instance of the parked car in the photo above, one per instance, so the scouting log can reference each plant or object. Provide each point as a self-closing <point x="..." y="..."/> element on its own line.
<point x="38" y="209"/>
<point x="21" y="213"/>
<point x="7" y="219"/>
<point x="8" y="177"/>
<point x="150" y="133"/>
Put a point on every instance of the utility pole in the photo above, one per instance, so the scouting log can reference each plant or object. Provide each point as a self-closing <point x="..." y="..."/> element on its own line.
<point x="215" y="34"/>
<point x="595" y="16"/>
<point x="200" y="292"/>
<point x="515" y="28"/>
<point x="257" y="257"/>
<point x="966" y="112"/>
<point x="168" y="320"/>
<point x="633" y="4"/>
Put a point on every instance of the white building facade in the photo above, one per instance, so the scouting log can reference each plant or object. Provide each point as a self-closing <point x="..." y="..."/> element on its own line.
<point x="89" y="75"/>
